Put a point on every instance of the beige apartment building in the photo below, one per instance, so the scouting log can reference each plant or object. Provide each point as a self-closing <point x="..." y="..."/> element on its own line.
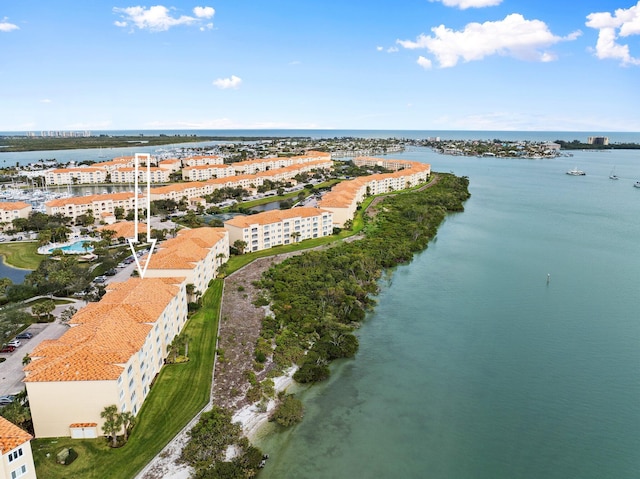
<point x="128" y="175"/>
<point x="11" y="210"/>
<point x="15" y="448"/>
<point x="76" y="176"/>
<point x="110" y="355"/>
<point x="202" y="160"/>
<point x="279" y="227"/>
<point x="171" y="164"/>
<point x="206" y="172"/>
<point x="344" y="198"/>
<point x="98" y="204"/>
<point x="195" y="254"/>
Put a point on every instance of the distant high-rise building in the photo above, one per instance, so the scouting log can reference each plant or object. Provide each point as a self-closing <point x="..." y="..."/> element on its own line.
<point x="598" y="140"/>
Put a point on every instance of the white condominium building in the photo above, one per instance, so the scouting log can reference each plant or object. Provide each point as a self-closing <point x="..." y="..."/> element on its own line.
<point x="110" y="355"/>
<point x="279" y="227"/>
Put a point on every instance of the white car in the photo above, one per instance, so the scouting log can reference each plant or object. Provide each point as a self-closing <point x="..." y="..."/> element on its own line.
<point x="15" y="343"/>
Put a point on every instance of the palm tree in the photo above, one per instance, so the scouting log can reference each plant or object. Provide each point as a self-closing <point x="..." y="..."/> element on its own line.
<point x="295" y="235"/>
<point x="240" y="246"/>
<point x="128" y="421"/>
<point x="190" y="287"/>
<point x="112" y="423"/>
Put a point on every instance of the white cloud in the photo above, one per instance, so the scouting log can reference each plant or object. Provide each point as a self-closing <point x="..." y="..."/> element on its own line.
<point x="464" y="4"/>
<point x="388" y="50"/>
<point x="623" y="23"/>
<point x="204" y="12"/>
<point x="380" y="49"/>
<point x="226" y="83"/>
<point x="5" y="26"/>
<point x="158" y="18"/>
<point x="514" y="37"/>
<point x="424" y="62"/>
<point x="45" y="100"/>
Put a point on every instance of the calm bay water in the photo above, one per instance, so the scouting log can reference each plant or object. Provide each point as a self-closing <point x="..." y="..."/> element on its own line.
<point x="471" y="365"/>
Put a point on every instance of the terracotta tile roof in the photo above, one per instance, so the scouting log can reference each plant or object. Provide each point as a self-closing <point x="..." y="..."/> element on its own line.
<point x="141" y="168"/>
<point x="84" y="200"/>
<point x="124" y="229"/>
<point x="80" y="169"/>
<point x="13" y="205"/>
<point x="176" y="187"/>
<point x="206" y="167"/>
<point x="83" y="424"/>
<point x="104" y="335"/>
<point x="11" y="436"/>
<point x="184" y="251"/>
<point x="274" y="216"/>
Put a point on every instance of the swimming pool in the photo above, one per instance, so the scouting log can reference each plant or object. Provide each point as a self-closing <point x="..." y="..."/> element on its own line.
<point x="73" y="248"/>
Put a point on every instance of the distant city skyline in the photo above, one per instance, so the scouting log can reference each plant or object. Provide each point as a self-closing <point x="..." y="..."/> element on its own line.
<point x="411" y="65"/>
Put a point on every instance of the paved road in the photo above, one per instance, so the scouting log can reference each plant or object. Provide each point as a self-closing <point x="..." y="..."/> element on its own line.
<point x="11" y="374"/>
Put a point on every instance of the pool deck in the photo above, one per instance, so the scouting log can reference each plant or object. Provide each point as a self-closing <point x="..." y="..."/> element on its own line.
<point x="48" y="248"/>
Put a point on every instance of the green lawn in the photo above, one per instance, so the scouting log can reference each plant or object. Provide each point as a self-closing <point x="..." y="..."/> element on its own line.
<point x="178" y="394"/>
<point x="21" y="254"/>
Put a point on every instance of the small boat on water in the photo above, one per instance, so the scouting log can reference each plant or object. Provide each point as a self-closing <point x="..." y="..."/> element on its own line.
<point x="613" y="175"/>
<point x="576" y="172"/>
<point x="637" y="184"/>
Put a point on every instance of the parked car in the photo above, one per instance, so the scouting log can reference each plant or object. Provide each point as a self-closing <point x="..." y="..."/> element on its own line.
<point x="100" y="279"/>
<point x="24" y="335"/>
<point x="8" y="399"/>
<point x="7" y="349"/>
<point x="111" y="272"/>
<point x="15" y="343"/>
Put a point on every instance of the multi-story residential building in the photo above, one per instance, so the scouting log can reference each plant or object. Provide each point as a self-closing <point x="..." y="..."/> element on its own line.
<point x="15" y="447"/>
<point x="177" y="191"/>
<point x="195" y="254"/>
<point x="110" y="355"/>
<point x="73" y="176"/>
<point x="250" y="167"/>
<point x="278" y="227"/>
<point x="205" y="172"/>
<point x="98" y="204"/>
<point x="128" y="175"/>
<point x="202" y="160"/>
<point x="117" y="163"/>
<point x="12" y="210"/>
<point x="343" y="199"/>
<point x="171" y="164"/>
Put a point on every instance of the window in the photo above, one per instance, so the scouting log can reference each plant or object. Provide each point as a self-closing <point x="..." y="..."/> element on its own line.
<point x="15" y="454"/>
<point x="21" y="471"/>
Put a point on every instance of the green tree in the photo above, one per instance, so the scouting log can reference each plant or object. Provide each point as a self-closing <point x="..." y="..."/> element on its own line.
<point x="112" y="423"/>
<point x="4" y="284"/>
<point x="67" y="314"/>
<point x="128" y="421"/>
<point x="43" y="308"/>
<point x="289" y="412"/>
<point x="240" y="246"/>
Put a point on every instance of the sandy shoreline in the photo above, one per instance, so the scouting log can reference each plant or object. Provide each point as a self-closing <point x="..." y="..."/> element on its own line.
<point x="252" y="418"/>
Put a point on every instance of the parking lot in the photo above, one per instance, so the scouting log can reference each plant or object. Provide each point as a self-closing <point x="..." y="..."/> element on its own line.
<point x="11" y="373"/>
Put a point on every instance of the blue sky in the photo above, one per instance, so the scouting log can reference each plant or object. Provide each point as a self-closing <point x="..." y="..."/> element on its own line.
<point x="335" y="64"/>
